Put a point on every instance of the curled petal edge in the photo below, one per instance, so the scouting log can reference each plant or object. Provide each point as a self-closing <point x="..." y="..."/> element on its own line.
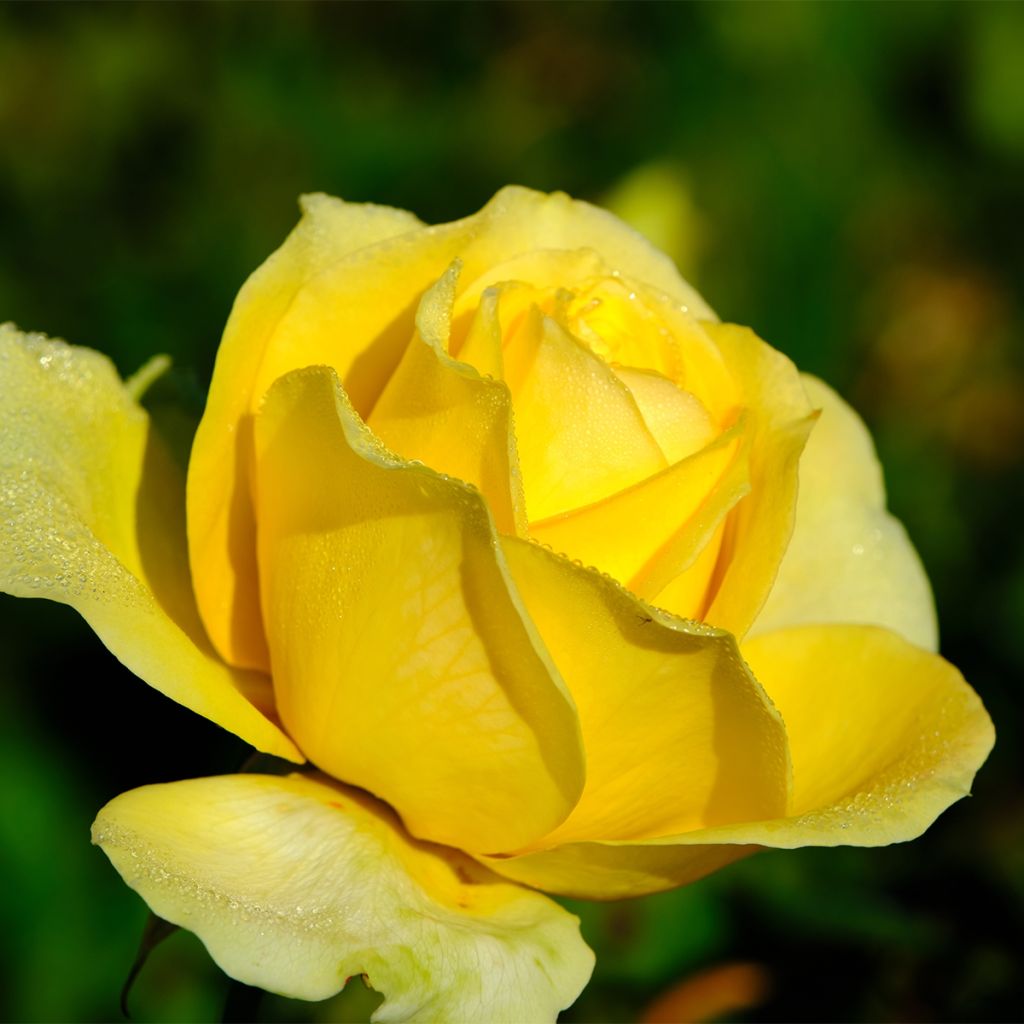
<point x="95" y="506"/>
<point x="296" y="884"/>
<point x="922" y="745"/>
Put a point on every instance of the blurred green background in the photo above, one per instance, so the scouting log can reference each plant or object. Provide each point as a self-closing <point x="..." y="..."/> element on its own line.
<point x="847" y="179"/>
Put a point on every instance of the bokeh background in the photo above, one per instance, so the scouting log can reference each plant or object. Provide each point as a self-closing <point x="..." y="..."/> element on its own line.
<point x="848" y="179"/>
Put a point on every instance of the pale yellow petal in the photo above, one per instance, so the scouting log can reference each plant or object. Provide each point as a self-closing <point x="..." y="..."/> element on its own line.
<point x="678" y="734"/>
<point x="402" y="661"/>
<point x="93" y="509"/>
<point x="443" y="413"/>
<point x="579" y="433"/>
<point x="760" y="527"/>
<point x="884" y="737"/>
<point x="848" y="560"/>
<point x="297" y="884"/>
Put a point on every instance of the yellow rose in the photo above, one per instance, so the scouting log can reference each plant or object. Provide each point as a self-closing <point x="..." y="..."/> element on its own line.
<point x="495" y="521"/>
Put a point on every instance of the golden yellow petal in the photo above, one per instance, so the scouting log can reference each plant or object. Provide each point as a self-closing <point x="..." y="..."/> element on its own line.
<point x="585" y="294"/>
<point x="687" y="595"/>
<point x="93" y="508"/>
<point x="579" y="432"/>
<point x="402" y="660"/>
<point x="297" y="884"/>
<point x="848" y="560"/>
<point x="700" y="366"/>
<point x="518" y="220"/>
<point x="651" y="533"/>
<point x="269" y="332"/>
<point x="760" y="527"/>
<point x="622" y="319"/>
<point x="884" y="737"/>
<point x="616" y="870"/>
<point x="480" y="346"/>
<point x="678" y="734"/>
<point x="443" y="413"/>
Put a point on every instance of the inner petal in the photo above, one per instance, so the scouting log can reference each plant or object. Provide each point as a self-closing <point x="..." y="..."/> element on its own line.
<point x="678" y="419"/>
<point x="580" y="434"/>
<point x="443" y="413"/>
<point x="648" y="534"/>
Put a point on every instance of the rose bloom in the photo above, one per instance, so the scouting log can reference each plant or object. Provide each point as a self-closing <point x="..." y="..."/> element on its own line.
<point x="560" y="584"/>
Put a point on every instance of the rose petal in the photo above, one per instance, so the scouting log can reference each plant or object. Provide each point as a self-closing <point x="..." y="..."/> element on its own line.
<point x="402" y="661"/>
<point x="480" y="347"/>
<point x="623" y="320"/>
<point x="619" y="870"/>
<point x="93" y="511"/>
<point x="443" y="413"/>
<point x="848" y="559"/>
<point x="579" y="432"/>
<point x="297" y="884"/>
<point x="678" y="734"/>
<point x="678" y="419"/>
<point x="649" y="534"/>
<point x="253" y="352"/>
<point x="519" y="220"/>
<point x="884" y="737"/>
<point x="760" y="527"/>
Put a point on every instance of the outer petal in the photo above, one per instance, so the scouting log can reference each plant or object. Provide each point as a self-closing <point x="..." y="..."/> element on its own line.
<point x="848" y="559"/>
<point x="92" y="510"/>
<point x="252" y="353"/>
<point x="296" y="884"/>
<point x="677" y="732"/>
<point x="402" y="661"/>
<point x="342" y="292"/>
<point x="760" y="527"/>
<point x="619" y="870"/>
<point x="884" y="737"/>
